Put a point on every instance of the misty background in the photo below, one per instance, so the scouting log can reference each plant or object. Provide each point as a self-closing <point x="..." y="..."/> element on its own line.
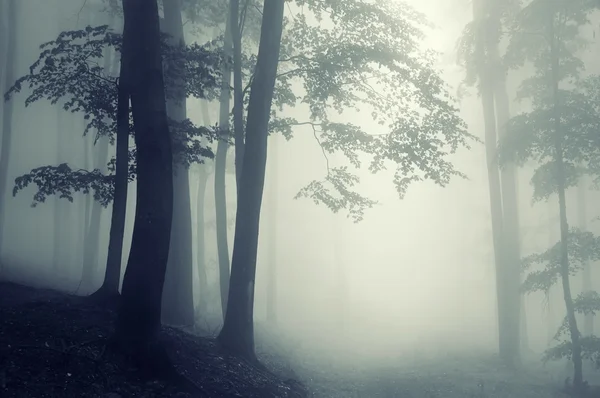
<point x="416" y="272"/>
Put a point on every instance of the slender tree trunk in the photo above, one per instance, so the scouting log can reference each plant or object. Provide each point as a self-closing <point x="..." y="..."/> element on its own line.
<point x="510" y="212"/>
<point x="586" y="286"/>
<point x="7" y="112"/>
<point x="201" y="243"/>
<point x="273" y="218"/>
<point x="562" y="206"/>
<point x="59" y="206"/>
<point x="203" y="177"/>
<point x="508" y="345"/>
<point x="139" y="316"/>
<point x="220" y="173"/>
<point x="92" y="233"/>
<point x="88" y="199"/>
<point x="237" y="334"/>
<point x="238" y="99"/>
<point x="496" y="214"/>
<point x="178" y="293"/>
<point x="551" y="324"/>
<point x="112" y="273"/>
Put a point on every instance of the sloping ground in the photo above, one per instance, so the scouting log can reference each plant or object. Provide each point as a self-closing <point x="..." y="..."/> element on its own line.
<point x="54" y="345"/>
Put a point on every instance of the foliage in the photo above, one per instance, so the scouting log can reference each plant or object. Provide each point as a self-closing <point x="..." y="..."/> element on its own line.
<point x="531" y="136"/>
<point x="68" y="69"/>
<point x="213" y="14"/>
<point x="559" y="131"/>
<point x="369" y="60"/>
<point x="475" y="54"/>
<point x="63" y="181"/>
<point x="584" y="248"/>
<point x="585" y="303"/>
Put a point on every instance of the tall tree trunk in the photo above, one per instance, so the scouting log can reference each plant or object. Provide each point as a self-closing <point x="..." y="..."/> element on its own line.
<point x="88" y="160"/>
<point x="562" y="207"/>
<point x="178" y="294"/>
<point x="220" y="173"/>
<point x="59" y="206"/>
<point x="203" y="297"/>
<point x="273" y="218"/>
<point x="586" y="286"/>
<point x="139" y="316"/>
<point x="203" y="177"/>
<point x="92" y="233"/>
<point x="551" y="324"/>
<point x="7" y="112"/>
<point x="112" y="272"/>
<point x="238" y="99"/>
<point x="495" y="208"/>
<point x="508" y="345"/>
<point x="510" y="212"/>
<point x="237" y="334"/>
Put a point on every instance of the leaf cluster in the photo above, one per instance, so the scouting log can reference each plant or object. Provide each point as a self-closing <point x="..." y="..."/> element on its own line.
<point x="369" y="59"/>
<point x="571" y="114"/>
<point x="583" y="248"/>
<point x="586" y="303"/>
<point x="69" y="69"/>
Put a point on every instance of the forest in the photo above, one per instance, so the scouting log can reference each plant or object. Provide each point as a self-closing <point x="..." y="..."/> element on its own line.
<point x="299" y="198"/>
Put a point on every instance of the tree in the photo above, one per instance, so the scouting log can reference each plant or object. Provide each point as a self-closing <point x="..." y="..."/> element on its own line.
<point x="100" y="160"/>
<point x="238" y="327"/>
<point x="236" y="23"/>
<point x="350" y="66"/>
<point x="559" y="134"/>
<point x="178" y="297"/>
<point x="479" y="54"/>
<point x="139" y="315"/>
<point x="238" y="91"/>
<point x="220" y="172"/>
<point x="586" y="275"/>
<point x="112" y="272"/>
<point x="273" y="218"/>
<point x="7" y="111"/>
<point x="104" y="102"/>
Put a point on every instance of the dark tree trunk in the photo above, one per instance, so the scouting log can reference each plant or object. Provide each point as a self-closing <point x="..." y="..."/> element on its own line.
<point x="92" y="232"/>
<point x="238" y="99"/>
<point x="139" y="316"/>
<point x="112" y="273"/>
<point x="201" y="243"/>
<point x="7" y="112"/>
<point x="237" y="334"/>
<point x="178" y="293"/>
<point x="220" y="173"/>
<point x="273" y="218"/>
<point x="89" y="267"/>
<point x="60" y="210"/>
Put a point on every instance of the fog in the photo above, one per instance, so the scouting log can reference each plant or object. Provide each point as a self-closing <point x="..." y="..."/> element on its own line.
<point x="414" y="275"/>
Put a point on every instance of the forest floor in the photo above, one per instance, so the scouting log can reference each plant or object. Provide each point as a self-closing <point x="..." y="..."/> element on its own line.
<point x="53" y="345"/>
<point x="330" y="372"/>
